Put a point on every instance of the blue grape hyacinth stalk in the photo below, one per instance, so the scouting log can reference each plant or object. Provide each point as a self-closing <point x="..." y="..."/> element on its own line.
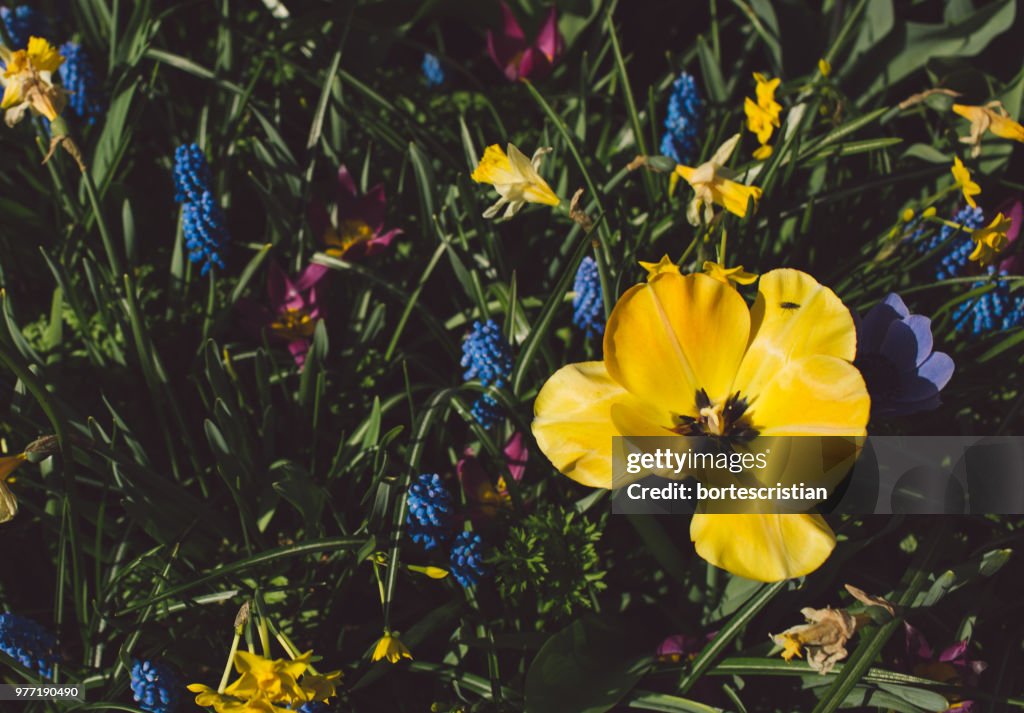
<point x="466" y="560"/>
<point x="429" y="519"/>
<point x="684" y="121"/>
<point x="587" y="305"/>
<point x="487" y="356"/>
<point x="79" y="79"/>
<point x="155" y="687"/>
<point x="206" y="235"/>
<point x="29" y="643"/>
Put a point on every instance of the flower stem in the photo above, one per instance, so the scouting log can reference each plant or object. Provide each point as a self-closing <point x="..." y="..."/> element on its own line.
<point x="227" y="666"/>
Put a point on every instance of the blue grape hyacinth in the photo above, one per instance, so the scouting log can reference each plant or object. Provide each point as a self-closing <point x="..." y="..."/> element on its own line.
<point x="433" y="72"/>
<point x="29" y="643"/>
<point x="192" y="175"/>
<point x="486" y="354"/>
<point x="155" y="687"/>
<point x="206" y="235"/>
<point x="953" y="260"/>
<point x="430" y="516"/>
<point x="587" y="305"/>
<point x="997" y="309"/>
<point x="487" y="412"/>
<point x="466" y="560"/>
<point x="79" y="79"/>
<point x="684" y="121"/>
<point x="23" y="22"/>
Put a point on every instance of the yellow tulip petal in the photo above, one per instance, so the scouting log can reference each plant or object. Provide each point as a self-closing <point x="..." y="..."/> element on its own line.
<point x="574" y="425"/>
<point x="793" y="316"/>
<point x="767" y="548"/>
<point x="674" y="335"/>
<point x="817" y="395"/>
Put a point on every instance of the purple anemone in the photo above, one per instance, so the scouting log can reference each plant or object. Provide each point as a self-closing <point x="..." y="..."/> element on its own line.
<point x="950" y="666"/>
<point x="516" y="57"/>
<point x="894" y="354"/>
<point x="355" y="228"/>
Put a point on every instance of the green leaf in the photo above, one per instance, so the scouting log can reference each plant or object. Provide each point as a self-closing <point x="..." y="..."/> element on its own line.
<point x="585" y="668"/>
<point x="297" y="487"/>
<point x="711" y="72"/>
<point x="899" y="55"/>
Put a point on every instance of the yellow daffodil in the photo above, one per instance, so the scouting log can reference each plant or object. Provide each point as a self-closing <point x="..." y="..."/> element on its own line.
<point x="763" y="115"/>
<point x="991" y="117"/>
<point x="656" y="268"/>
<point x="320" y="686"/>
<point x="728" y="275"/>
<point x="990" y="240"/>
<point x="515" y="178"/>
<point x="9" y="503"/>
<point x="677" y="351"/>
<point x="712" y="183"/>
<point x="275" y="679"/>
<point x="963" y="179"/>
<point x="207" y="697"/>
<point x="27" y="81"/>
<point x="391" y="648"/>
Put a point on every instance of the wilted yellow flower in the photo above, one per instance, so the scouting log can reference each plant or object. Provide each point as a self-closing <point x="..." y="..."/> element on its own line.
<point x="390" y="647"/>
<point x="824" y="637"/>
<point x="825" y="67"/>
<point x="963" y="179"/>
<point x="656" y="268"/>
<point x="990" y="240"/>
<point x="728" y="275"/>
<point x="515" y="178"/>
<point x="712" y="183"/>
<point x="27" y="81"/>
<point x="9" y="503"/>
<point x="991" y="117"/>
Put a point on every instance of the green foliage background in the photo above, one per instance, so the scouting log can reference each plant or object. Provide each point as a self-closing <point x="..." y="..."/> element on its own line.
<point x="199" y="469"/>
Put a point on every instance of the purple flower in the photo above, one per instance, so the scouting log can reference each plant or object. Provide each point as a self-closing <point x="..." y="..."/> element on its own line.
<point x="355" y="229"/>
<point x="678" y="647"/>
<point x="894" y="354"/>
<point x="516" y="57"/>
<point x="484" y="497"/>
<point x="293" y="312"/>
<point x="950" y="666"/>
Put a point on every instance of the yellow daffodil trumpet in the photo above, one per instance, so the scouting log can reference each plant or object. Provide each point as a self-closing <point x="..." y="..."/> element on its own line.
<point x="27" y="79"/>
<point x="678" y="350"/>
<point x="712" y="184"/>
<point x="515" y="178"/>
